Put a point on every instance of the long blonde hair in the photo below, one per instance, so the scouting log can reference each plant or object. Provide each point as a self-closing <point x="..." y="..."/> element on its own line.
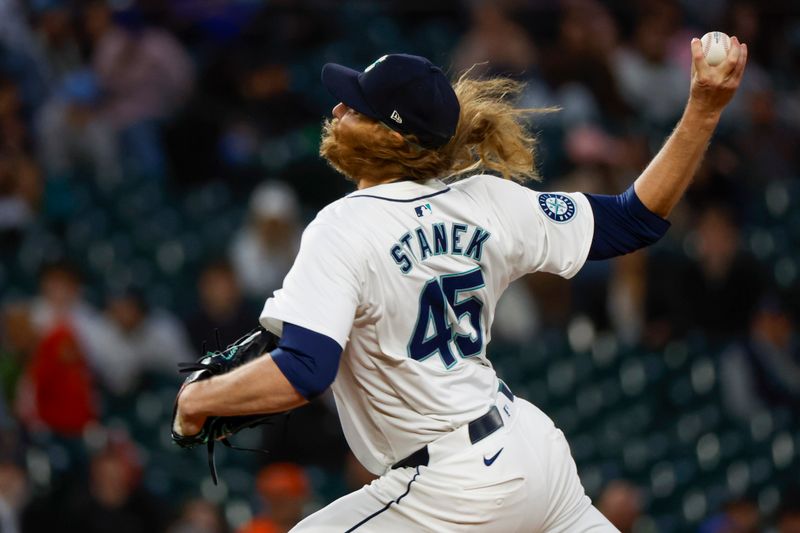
<point x="490" y="136"/>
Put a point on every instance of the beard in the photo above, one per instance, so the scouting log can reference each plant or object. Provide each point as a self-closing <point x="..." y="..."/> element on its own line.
<point x="335" y="148"/>
<point x="366" y="149"/>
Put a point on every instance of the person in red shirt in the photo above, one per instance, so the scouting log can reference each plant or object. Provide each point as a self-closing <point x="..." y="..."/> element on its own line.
<point x="61" y="384"/>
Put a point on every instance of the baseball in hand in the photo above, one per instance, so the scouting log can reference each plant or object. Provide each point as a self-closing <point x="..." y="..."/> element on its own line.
<point x="715" y="47"/>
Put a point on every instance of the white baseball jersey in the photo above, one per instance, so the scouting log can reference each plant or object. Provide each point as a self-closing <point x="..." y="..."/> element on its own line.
<point x="405" y="276"/>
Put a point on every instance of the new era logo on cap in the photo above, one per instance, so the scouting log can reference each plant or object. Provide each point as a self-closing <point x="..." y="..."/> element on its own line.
<point x="407" y="93"/>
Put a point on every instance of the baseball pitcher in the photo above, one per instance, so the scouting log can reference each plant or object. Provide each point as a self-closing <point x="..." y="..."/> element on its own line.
<point x="391" y="298"/>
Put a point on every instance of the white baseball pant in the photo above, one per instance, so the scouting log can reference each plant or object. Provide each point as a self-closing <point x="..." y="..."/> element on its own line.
<point x="521" y="478"/>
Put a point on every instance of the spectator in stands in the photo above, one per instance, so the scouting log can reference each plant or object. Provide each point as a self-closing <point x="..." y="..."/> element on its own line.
<point x="222" y="308"/>
<point x="289" y="24"/>
<point x="263" y="106"/>
<point x="144" y="71"/>
<point x="60" y="302"/>
<point x="722" y="284"/>
<point x="20" y="183"/>
<point x="199" y="516"/>
<point x="788" y="516"/>
<point x="6" y="422"/>
<point x="713" y="292"/>
<point x="263" y="251"/>
<point x="73" y="131"/>
<point x="138" y="340"/>
<point x="266" y="100"/>
<point x="14" y="495"/>
<point x="744" y="19"/>
<point x="20" y="194"/>
<point x="739" y="515"/>
<point x="649" y="80"/>
<point x="59" y="295"/>
<point x="13" y="130"/>
<point x="789" y="521"/>
<point x="145" y="76"/>
<point x="575" y="74"/>
<point x="720" y="180"/>
<point x="621" y="502"/>
<point x="55" y="36"/>
<point x="764" y="371"/>
<point x="15" y="34"/>
<point x="57" y="392"/>
<point x="18" y="341"/>
<point x="767" y="133"/>
<point x="20" y="58"/>
<point x="580" y="60"/>
<point x="12" y="444"/>
<point x="114" y="500"/>
<point x="284" y="490"/>
<point x="495" y="43"/>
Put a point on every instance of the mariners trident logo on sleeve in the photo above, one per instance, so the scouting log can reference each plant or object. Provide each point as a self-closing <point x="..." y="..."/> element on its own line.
<point x="558" y="207"/>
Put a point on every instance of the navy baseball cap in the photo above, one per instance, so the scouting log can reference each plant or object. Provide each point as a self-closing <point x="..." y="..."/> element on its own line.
<point x="408" y="93"/>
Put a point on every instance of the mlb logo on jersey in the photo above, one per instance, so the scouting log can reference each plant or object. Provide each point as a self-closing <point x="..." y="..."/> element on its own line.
<point x="422" y="210"/>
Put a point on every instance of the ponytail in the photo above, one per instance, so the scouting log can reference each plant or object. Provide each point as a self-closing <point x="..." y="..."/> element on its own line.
<point x="491" y="135"/>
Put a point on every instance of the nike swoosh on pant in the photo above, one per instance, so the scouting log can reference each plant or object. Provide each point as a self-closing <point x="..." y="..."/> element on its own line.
<point x="490" y="460"/>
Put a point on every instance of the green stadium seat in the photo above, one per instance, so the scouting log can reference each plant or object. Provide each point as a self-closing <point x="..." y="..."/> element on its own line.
<point x="738" y="477"/>
<point x="663" y="480"/>
<point x="605" y="351"/>
<point x="589" y="400"/>
<point x="561" y="377"/>
<point x="592" y="478"/>
<point x="636" y="455"/>
<point x="769" y="498"/>
<point x="583" y="447"/>
<point x="784" y="450"/>
<point x="760" y="470"/>
<point x="694" y="506"/>
<point x="536" y="392"/>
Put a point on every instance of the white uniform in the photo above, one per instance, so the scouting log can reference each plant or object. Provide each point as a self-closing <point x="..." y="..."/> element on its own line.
<point x="405" y="276"/>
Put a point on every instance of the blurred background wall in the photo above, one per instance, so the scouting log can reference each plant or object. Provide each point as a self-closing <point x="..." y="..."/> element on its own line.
<point x="158" y="162"/>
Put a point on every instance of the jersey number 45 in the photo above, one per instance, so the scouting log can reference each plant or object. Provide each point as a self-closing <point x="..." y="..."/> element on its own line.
<point x="440" y="313"/>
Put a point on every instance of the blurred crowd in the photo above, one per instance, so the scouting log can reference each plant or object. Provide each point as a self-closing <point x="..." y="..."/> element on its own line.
<point x="158" y="164"/>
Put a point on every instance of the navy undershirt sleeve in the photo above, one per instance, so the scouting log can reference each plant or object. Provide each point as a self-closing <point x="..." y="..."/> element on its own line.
<point x="622" y="224"/>
<point x="308" y="359"/>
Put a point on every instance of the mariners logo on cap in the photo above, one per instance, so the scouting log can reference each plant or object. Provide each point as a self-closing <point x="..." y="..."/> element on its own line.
<point x="380" y="59"/>
<point x="558" y="207"/>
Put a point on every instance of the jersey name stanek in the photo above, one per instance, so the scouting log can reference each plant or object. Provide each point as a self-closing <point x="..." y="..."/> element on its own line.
<point x="452" y="238"/>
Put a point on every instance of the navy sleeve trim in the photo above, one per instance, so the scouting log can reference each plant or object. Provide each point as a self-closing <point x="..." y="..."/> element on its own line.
<point x="308" y="359"/>
<point x="622" y="224"/>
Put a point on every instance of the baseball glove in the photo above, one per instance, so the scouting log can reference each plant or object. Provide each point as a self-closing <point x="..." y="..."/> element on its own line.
<point x="219" y="428"/>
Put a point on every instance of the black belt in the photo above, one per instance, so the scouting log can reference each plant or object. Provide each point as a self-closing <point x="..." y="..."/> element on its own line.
<point x="479" y="429"/>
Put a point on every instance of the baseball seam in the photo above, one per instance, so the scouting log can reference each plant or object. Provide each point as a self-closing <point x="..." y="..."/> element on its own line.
<point x="716" y="38"/>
